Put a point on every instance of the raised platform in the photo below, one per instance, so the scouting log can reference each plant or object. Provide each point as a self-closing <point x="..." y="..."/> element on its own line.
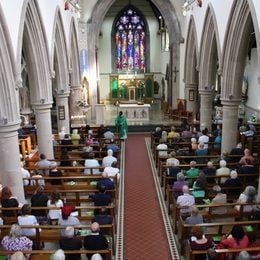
<point x="136" y="113"/>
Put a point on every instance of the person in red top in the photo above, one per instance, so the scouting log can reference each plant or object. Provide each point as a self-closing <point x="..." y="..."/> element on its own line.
<point x="236" y="239"/>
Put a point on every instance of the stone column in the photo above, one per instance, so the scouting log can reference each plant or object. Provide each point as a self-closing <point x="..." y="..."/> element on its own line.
<point x="229" y="124"/>
<point x="63" y="109"/>
<point x="191" y="92"/>
<point x="44" y="129"/>
<point x="205" y="109"/>
<point x="10" y="173"/>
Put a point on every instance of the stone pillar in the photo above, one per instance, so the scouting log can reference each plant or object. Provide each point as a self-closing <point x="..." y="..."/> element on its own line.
<point x="229" y="124"/>
<point x="63" y="116"/>
<point x="10" y="173"/>
<point x="205" y="109"/>
<point x="44" y="129"/>
<point x="191" y="92"/>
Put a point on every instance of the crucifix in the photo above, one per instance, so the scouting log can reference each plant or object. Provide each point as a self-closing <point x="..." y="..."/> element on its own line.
<point x="175" y="71"/>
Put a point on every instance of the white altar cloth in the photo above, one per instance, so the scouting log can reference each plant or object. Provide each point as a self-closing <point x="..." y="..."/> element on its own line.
<point x="135" y="112"/>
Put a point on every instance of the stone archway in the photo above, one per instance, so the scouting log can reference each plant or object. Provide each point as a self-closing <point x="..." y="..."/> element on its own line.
<point x="191" y="72"/>
<point x="234" y="57"/>
<point x="94" y="25"/>
<point x="32" y="42"/>
<point x="9" y="116"/>
<point x="210" y="57"/>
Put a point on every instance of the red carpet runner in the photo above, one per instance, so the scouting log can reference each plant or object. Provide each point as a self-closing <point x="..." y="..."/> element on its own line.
<point x="144" y="233"/>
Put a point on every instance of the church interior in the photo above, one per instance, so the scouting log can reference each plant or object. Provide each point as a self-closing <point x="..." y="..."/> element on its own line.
<point x="140" y="78"/>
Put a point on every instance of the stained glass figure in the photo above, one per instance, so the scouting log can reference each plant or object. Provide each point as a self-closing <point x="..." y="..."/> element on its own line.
<point x="130" y="41"/>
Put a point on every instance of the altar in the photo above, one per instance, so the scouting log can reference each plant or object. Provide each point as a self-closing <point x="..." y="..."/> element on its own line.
<point x="135" y="113"/>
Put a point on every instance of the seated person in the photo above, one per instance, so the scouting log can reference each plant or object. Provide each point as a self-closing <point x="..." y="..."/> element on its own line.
<point x="236" y="239"/>
<point x="193" y="145"/>
<point x="193" y="171"/>
<point x="204" y="138"/>
<point x="95" y="241"/>
<point x="66" y="219"/>
<point x="198" y="241"/>
<point x="44" y="164"/>
<point x="247" y="158"/>
<point x="195" y="217"/>
<point x="236" y="151"/>
<point x="39" y="199"/>
<point x="101" y="130"/>
<point x="27" y="219"/>
<point x="217" y="141"/>
<point x="106" y="182"/>
<point x="70" y="242"/>
<point x="222" y="171"/>
<point x="199" y="186"/>
<point x="233" y="181"/>
<point x="25" y="174"/>
<point x="172" y="161"/>
<point x="102" y="198"/>
<point x="64" y="158"/>
<point x="87" y="148"/>
<point x="162" y="146"/>
<point x="66" y="141"/>
<point x="112" y="146"/>
<point x="109" y="159"/>
<point x="158" y="132"/>
<point x="91" y="162"/>
<point x="220" y="198"/>
<point x="201" y="151"/>
<point x="112" y="170"/>
<point x="177" y="185"/>
<point x="185" y="200"/>
<point x="247" y="196"/>
<point x="173" y="133"/>
<point x="108" y="134"/>
<point x="54" y="172"/>
<point x="103" y="218"/>
<point x="209" y="171"/>
<point x="75" y="137"/>
<point x="8" y="201"/>
<point x="55" y="201"/>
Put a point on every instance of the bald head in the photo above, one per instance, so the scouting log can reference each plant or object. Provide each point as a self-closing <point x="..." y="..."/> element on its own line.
<point x="185" y="189"/>
<point x="94" y="227"/>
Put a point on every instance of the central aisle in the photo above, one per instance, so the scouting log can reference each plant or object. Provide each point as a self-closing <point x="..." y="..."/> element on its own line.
<point x="144" y="232"/>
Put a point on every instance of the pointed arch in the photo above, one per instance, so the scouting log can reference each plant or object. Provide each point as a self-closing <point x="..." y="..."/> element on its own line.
<point x="74" y="55"/>
<point x="210" y="51"/>
<point x="191" y="54"/>
<point x="59" y="53"/>
<point x="32" y="39"/>
<point x="239" y="29"/>
<point x="9" y="111"/>
<point x="143" y="27"/>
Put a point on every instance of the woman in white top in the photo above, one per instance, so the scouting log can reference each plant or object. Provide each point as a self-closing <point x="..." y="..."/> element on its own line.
<point x="27" y="219"/>
<point x="55" y="201"/>
<point x="247" y="196"/>
<point x="91" y="162"/>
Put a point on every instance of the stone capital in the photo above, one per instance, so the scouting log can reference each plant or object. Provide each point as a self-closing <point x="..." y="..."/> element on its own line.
<point x="39" y="106"/>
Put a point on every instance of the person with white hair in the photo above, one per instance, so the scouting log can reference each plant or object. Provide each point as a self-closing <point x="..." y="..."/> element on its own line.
<point x="112" y="170"/>
<point x="210" y="171"/>
<point x="233" y="182"/>
<point x="15" y="241"/>
<point x="195" y="217"/>
<point x="223" y="171"/>
<point x="244" y="255"/>
<point x="172" y="161"/>
<point x="91" y="162"/>
<point x="106" y="182"/>
<point x="247" y="196"/>
<point x="177" y="185"/>
<point x="109" y="159"/>
<point x="185" y="200"/>
<point x="59" y="255"/>
<point x="96" y="257"/>
<point x="162" y="146"/>
<point x="70" y="242"/>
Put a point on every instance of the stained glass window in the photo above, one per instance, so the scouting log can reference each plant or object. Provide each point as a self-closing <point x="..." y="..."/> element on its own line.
<point x="130" y="41"/>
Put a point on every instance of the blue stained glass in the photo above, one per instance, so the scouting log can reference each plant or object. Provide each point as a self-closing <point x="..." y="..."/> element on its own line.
<point x="130" y="41"/>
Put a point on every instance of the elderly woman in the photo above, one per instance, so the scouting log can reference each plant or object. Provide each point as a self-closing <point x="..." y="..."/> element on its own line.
<point x="15" y="241"/>
<point x="223" y="171"/>
<point x="233" y="182"/>
<point x="8" y="201"/>
<point x="177" y="185"/>
<point x="173" y="167"/>
<point x="201" y="151"/>
<point x="247" y="158"/>
<point x="247" y="196"/>
<point x="220" y="198"/>
<point x="193" y="171"/>
<point x="195" y="217"/>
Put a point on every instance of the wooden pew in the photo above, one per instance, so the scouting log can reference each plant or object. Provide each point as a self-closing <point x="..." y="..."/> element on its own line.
<point x="231" y="211"/>
<point x="45" y="254"/>
<point x="191" y="254"/>
<point x="83" y="214"/>
<point x="215" y="228"/>
<point x="47" y="233"/>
